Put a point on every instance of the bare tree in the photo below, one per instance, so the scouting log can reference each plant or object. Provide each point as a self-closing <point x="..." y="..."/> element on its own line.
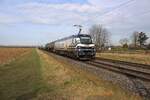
<point x="134" y="38"/>
<point x="124" y="42"/>
<point x="100" y="36"/>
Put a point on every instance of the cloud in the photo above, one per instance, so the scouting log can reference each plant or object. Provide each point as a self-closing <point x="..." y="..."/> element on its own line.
<point x="133" y="15"/>
<point x="57" y="13"/>
<point x="106" y="3"/>
<point x="117" y="15"/>
<point x="82" y="8"/>
<point x="8" y="19"/>
<point x="53" y="14"/>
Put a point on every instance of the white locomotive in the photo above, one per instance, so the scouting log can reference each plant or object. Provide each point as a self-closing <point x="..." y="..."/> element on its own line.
<point x="78" y="46"/>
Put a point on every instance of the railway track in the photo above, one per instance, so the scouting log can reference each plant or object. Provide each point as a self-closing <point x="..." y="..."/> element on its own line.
<point x="134" y="70"/>
<point x="144" y="66"/>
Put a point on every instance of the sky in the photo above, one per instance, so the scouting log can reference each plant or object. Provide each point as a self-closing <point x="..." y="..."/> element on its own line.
<point x="36" y="22"/>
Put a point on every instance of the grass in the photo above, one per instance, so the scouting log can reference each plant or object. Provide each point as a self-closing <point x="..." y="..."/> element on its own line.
<point x="21" y="78"/>
<point x="74" y="84"/>
<point x="37" y="76"/>
<point x="136" y="58"/>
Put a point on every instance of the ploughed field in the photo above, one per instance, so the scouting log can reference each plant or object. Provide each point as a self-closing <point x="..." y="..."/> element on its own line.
<point x="35" y="75"/>
<point x="140" y="58"/>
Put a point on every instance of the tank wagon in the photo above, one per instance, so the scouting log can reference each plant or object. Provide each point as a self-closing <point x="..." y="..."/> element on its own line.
<point x="78" y="46"/>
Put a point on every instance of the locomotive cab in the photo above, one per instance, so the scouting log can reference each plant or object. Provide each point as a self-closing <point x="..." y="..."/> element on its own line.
<point x="85" y="48"/>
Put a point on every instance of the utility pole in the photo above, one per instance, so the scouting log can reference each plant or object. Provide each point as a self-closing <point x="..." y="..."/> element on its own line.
<point x="80" y="28"/>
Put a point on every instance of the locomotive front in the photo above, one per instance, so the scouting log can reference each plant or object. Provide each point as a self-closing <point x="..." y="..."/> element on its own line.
<point x="85" y="48"/>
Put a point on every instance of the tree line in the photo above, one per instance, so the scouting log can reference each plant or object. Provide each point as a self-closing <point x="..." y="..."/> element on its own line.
<point x="101" y="38"/>
<point x="138" y="40"/>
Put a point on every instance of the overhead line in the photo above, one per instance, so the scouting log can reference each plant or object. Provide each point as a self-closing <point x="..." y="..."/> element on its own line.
<point x="147" y="12"/>
<point x="117" y="7"/>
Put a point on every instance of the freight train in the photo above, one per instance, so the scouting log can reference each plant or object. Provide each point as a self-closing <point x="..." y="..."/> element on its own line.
<point x="77" y="46"/>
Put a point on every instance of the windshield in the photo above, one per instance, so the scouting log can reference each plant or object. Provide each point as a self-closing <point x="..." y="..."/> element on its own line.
<point x="85" y="39"/>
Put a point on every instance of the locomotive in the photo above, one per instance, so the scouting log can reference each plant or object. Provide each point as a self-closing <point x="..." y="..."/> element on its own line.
<point x="77" y="46"/>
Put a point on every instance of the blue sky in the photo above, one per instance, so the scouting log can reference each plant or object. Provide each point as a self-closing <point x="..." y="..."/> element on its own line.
<point x="36" y="22"/>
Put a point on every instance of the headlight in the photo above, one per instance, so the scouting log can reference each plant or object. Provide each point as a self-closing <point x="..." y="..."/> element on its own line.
<point x="94" y="49"/>
<point x="79" y="48"/>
